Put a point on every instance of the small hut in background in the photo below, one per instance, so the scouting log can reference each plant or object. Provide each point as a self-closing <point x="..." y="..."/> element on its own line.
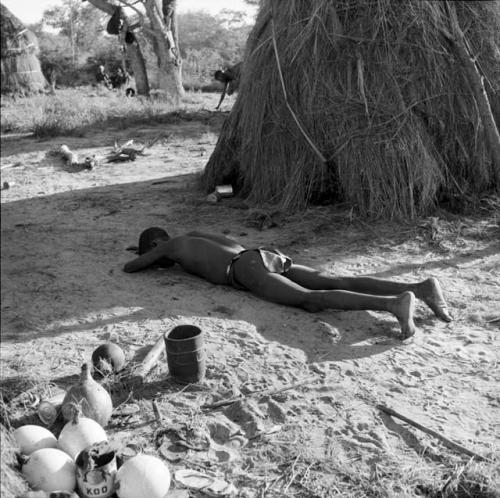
<point x="21" y="71"/>
<point x="392" y="107"/>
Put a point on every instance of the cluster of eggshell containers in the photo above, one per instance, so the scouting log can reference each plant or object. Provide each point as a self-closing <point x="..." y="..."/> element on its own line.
<point x="61" y="464"/>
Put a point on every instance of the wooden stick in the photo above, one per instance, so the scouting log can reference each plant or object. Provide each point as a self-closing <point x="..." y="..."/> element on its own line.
<point x="447" y="442"/>
<point x="259" y="394"/>
<point x="70" y="156"/>
<point x="117" y="149"/>
<point x="157" y="412"/>
<point x="155" y="139"/>
<point x="151" y="358"/>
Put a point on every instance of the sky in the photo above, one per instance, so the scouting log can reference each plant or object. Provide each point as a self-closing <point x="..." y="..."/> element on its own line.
<point x="30" y="11"/>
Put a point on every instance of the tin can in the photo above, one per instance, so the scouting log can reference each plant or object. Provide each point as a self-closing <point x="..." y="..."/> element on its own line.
<point x="224" y="191"/>
<point x="95" y="472"/>
<point x="126" y="453"/>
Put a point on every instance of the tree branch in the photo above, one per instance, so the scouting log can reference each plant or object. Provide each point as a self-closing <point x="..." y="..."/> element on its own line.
<point x="447" y="442"/>
<point x="103" y="5"/>
<point x="131" y="6"/>
<point x="133" y="50"/>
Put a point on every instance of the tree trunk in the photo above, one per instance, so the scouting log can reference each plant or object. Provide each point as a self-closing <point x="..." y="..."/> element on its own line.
<point x="134" y="52"/>
<point x="161" y="14"/>
<point x="138" y="66"/>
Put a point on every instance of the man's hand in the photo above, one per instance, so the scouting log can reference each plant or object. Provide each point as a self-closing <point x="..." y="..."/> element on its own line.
<point x="145" y="260"/>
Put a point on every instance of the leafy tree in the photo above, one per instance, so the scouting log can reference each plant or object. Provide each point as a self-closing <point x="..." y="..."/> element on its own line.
<point x="58" y="65"/>
<point x="209" y="42"/>
<point x="81" y="24"/>
<point x="225" y="34"/>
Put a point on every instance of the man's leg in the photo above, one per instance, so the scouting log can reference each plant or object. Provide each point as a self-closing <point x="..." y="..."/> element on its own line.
<point x="250" y="272"/>
<point x="428" y="290"/>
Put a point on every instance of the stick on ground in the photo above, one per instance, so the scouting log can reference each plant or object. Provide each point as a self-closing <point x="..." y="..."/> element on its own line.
<point x="151" y="358"/>
<point x="259" y="394"/>
<point x="447" y="442"/>
<point x="68" y="155"/>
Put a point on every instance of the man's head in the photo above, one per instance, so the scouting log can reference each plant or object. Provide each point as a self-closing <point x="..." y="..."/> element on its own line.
<point x="219" y="76"/>
<point x="149" y="239"/>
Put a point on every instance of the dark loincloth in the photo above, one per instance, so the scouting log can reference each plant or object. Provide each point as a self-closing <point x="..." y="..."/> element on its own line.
<point x="272" y="259"/>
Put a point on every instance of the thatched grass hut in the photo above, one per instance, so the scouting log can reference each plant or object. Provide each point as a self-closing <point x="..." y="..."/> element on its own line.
<point x="368" y="102"/>
<point x="21" y="71"/>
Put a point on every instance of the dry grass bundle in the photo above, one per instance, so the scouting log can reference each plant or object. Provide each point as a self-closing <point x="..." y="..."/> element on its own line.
<point x="21" y="71"/>
<point x="11" y="482"/>
<point x="377" y="88"/>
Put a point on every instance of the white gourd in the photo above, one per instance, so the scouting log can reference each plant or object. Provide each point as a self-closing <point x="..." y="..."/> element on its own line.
<point x="50" y="469"/>
<point x="79" y="434"/>
<point x="143" y="476"/>
<point x="33" y="437"/>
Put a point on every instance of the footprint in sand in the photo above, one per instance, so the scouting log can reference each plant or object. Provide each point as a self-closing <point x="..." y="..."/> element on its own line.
<point x="356" y="441"/>
<point x="247" y="415"/>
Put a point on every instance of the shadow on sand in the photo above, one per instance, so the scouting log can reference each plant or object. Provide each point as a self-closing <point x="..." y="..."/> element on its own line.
<point x="62" y="257"/>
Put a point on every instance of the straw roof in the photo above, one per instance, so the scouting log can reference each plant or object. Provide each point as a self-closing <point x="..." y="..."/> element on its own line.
<point x="21" y="71"/>
<point x="361" y="101"/>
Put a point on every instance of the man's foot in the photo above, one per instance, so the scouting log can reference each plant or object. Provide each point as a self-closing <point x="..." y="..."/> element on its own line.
<point x="430" y="292"/>
<point x="404" y="307"/>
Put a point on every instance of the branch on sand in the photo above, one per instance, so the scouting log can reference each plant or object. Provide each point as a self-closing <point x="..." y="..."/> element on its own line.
<point x="126" y="152"/>
<point x="447" y="442"/>
<point x="73" y="161"/>
<point x="259" y="394"/>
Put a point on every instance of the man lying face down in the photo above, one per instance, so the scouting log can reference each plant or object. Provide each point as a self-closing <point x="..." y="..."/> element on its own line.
<point x="274" y="277"/>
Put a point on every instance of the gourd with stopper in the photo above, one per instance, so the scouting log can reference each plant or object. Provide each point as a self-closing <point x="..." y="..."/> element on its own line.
<point x="94" y="401"/>
<point x="79" y="433"/>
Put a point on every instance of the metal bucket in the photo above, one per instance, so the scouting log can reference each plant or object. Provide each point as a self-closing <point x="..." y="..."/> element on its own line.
<point x="186" y="353"/>
<point x="98" y="478"/>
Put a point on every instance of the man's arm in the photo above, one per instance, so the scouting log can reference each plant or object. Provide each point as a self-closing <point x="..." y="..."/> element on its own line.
<point x="223" y="94"/>
<point x="146" y="259"/>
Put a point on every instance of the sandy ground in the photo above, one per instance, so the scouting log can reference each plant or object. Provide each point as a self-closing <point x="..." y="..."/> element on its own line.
<point x="64" y="235"/>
